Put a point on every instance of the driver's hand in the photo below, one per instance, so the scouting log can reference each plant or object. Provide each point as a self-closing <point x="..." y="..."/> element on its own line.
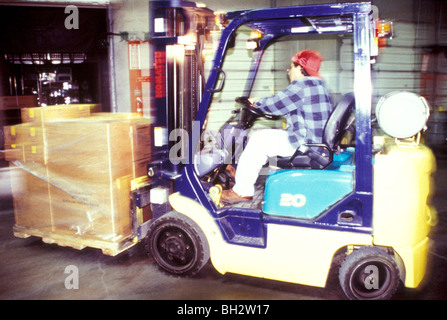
<point x="253" y="100"/>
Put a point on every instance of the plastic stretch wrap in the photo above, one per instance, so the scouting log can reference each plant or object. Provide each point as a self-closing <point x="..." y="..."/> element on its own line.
<point x="73" y="177"/>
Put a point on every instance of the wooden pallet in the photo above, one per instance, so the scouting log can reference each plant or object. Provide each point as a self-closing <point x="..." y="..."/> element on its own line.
<point x="110" y="247"/>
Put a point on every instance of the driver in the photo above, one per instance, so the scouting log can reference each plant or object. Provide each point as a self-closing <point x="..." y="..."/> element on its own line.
<point x="305" y="104"/>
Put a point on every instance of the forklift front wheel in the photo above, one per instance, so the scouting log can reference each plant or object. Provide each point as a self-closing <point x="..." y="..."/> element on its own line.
<point x="177" y="245"/>
<point x="369" y="273"/>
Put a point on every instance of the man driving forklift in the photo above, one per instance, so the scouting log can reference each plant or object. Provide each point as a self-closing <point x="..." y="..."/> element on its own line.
<point x="306" y="105"/>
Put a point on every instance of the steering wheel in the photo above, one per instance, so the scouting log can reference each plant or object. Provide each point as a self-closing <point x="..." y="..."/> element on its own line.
<point x="249" y="106"/>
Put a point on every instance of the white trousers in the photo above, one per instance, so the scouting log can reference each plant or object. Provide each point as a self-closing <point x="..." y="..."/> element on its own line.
<point x="262" y="144"/>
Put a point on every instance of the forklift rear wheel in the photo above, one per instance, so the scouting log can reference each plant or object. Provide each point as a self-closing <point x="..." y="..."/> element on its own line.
<point x="369" y="273"/>
<point x="177" y="244"/>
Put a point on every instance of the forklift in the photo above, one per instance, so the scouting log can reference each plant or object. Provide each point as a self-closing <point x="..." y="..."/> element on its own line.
<point x="358" y="197"/>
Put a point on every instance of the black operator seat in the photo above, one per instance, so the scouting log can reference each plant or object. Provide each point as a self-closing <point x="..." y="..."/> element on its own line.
<point x="320" y="155"/>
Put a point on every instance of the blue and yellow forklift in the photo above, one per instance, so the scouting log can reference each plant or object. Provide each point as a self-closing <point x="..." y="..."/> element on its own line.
<point x="362" y="196"/>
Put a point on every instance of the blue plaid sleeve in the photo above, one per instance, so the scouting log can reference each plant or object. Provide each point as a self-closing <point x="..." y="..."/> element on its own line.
<point x="283" y="102"/>
<point x="306" y="104"/>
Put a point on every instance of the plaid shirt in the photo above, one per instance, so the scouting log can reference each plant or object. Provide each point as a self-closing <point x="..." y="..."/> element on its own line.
<point x="306" y="104"/>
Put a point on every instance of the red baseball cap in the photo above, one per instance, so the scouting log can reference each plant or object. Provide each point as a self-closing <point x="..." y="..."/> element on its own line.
<point x="310" y="60"/>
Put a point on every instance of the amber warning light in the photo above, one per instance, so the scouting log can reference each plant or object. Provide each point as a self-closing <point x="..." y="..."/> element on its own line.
<point x="384" y="31"/>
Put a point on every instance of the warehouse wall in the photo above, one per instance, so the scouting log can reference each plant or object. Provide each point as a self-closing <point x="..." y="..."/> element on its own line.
<point x="132" y="17"/>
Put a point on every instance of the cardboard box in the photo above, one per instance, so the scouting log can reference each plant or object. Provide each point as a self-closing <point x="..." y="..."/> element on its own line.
<point x="14" y="152"/>
<point x="94" y="107"/>
<point x="53" y="113"/>
<point x="141" y="140"/>
<point x="28" y="133"/>
<point x="34" y="153"/>
<point x="89" y="150"/>
<point x="115" y="115"/>
<point x="87" y="140"/>
<point x="97" y="211"/>
<point x="31" y="197"/>
<point x="24" y="142"/>
<point x="139" y="168"/>
<point x="39" y="141"/>
<point x="10" y="135"/>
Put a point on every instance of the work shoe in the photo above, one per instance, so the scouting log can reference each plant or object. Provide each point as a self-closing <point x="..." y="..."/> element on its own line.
<point x="231" y="196"/>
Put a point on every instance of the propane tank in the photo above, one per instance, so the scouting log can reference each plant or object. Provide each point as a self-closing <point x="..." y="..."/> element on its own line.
<point x="402" y="114"/>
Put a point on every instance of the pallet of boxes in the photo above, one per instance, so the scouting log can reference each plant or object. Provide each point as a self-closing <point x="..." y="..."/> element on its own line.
<point x="71" y="173"/>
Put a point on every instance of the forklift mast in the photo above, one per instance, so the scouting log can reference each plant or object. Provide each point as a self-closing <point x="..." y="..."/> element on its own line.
<point x="179" y="31"/>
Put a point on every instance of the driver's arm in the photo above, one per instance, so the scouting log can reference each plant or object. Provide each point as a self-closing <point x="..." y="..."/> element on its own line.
<point x="281" y="103"/>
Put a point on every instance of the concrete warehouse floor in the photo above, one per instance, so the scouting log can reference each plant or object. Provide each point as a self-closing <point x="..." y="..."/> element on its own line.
<point x="31" y="269"/>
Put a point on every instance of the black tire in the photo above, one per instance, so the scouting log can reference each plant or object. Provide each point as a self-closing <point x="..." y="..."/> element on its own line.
<point x="177" y="245"/>
<point x="369" y="273"/>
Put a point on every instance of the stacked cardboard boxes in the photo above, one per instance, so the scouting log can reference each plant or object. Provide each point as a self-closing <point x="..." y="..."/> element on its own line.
<point x="10" y="112"/>
<point x="73" y="173"/>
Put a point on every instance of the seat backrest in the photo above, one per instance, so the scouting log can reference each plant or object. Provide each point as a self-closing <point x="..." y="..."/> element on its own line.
<point x="338" y="121"/>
